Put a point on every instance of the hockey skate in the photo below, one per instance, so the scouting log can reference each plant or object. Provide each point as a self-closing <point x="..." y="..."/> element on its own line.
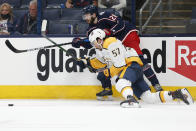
<point x="157" y="87"/>
<point x="105" y="95"/>
<point x="131" y="102"/>
<point x="184" y="95"/>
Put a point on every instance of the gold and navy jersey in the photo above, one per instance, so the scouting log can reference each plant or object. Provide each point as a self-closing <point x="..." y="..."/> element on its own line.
<point x="115" y="56"/>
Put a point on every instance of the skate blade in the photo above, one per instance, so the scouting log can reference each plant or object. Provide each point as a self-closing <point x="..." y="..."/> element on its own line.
<point x="189" y="97"/>
<point x="132" y="105"/>
<point x="105" y="98"/>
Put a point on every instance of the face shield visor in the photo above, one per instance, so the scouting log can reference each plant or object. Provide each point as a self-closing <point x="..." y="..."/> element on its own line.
<point x="97" y="43"/>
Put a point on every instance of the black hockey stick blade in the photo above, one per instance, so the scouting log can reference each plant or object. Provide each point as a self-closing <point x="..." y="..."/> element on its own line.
<point x="9" y="45"/>
<point x="12" y="48"/>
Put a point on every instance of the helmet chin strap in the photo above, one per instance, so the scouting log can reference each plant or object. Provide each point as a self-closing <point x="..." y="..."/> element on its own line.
<point x="100" y="44"/>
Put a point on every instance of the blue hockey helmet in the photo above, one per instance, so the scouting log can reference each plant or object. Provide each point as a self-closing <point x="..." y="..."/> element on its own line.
<point x="90" y="9"/>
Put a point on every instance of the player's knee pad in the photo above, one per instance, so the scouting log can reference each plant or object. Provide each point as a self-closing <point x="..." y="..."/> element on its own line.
<point x="122" y="83"/>
<point x="150" y="97"/>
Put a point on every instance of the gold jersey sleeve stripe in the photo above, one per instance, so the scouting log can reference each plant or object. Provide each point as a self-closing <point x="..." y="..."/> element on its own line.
<point x="95" y="63"/>
<point x="108" y="41"/>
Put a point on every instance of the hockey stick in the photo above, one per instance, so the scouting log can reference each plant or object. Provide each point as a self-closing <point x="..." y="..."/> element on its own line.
<point x="12" y="48"/>
<point x="75" y="58"/>
<point x="43" y="28"/>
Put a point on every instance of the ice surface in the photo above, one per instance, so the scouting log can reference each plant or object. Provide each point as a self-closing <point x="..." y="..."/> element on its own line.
<point x="92" y="115"/>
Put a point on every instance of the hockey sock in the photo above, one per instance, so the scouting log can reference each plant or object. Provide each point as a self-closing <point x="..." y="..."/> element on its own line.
<point x="150" y="75"/>
<point x="127" y="91"/>
<point x="105" y="81"/>
<point x="165" y="96"/>
<point x="148" y="72"/>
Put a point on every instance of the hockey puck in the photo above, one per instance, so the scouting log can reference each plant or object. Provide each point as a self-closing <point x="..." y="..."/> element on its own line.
<point x="10" y="104"/>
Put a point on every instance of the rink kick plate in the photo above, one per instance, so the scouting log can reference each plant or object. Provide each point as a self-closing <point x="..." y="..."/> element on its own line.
<point x="62" y="92"/>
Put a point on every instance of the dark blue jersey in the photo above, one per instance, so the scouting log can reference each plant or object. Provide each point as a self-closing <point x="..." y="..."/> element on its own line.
<point x="81" y="3"/>
<point x="118" y="27"/>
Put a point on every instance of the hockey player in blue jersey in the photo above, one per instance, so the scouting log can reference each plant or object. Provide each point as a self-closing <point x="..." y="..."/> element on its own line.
<point x="113" y="25"/>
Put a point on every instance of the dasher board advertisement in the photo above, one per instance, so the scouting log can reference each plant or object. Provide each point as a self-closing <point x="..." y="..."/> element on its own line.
<point x="172" y="58"/>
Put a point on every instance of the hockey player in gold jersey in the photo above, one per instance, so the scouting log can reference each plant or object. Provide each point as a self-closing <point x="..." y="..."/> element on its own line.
<point x="125" y="63"/>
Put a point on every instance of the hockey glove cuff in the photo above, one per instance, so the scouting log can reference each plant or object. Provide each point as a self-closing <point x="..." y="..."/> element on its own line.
<point x="76" y="42"/>
<point x="83" y="63"/>
<point x="86" y="44"/>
